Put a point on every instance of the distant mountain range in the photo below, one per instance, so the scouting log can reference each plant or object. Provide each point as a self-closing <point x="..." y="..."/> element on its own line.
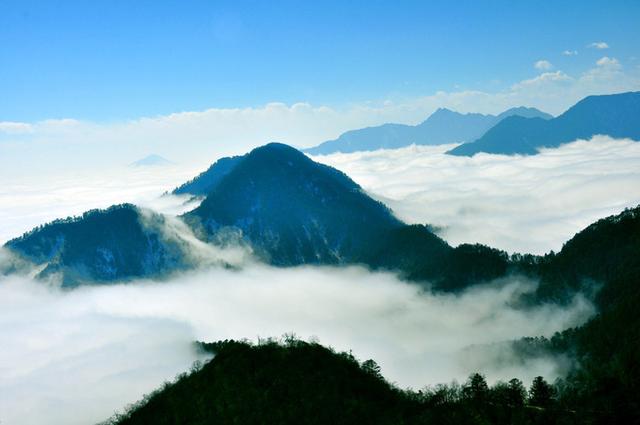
<point x="616" y="115"/>
<point x="515" y="131"/>
<point x="443" y="126"/>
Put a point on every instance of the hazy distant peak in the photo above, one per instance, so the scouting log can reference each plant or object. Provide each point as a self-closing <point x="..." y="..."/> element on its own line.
<point x="525" y="112"/>
<point x="441" y="127"/>
<point x="151" y="160"/>
<point x="615" y="115"/>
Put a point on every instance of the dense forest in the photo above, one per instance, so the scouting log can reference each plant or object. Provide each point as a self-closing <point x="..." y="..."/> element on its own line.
<point x="299" y="382"/>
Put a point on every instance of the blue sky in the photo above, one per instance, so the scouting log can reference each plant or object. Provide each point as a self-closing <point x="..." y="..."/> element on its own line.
<point x="112" y="60"/>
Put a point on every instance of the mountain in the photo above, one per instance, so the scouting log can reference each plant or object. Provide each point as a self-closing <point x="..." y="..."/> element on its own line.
<point x="207" y="180"/>
<point x="295" y="211"/>
<point x="292" y="209"/>
<point x="606" y="251"/>
<point x="296" y="382"/>
<point x="443" y="126"/>
<point x="152" y="160"/>
<point x="101" y="246"/>
<point x="602" y="260"/>
<point x="300" y="382"/>
<point x="418" y="255"/>
<point x="616" y="115"/>
<point x="273" y="384"/>
<point x="288" y="208"/>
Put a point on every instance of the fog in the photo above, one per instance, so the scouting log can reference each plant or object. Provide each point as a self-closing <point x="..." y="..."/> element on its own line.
<point x="521" y="204"/>
<point x="28" y="201"/>
<point x="76" y="357"/>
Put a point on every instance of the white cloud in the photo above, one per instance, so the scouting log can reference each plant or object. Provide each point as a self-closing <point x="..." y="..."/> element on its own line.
<point x="607" y="70"/>
<point x="609" y="62"/>
<point x="76" y="357"/>
<point x="198" y="137"/>
<point x="542" y="80"/>
<point x="570" y="52"/>
<point x="543" y="65"/>
<point x="10" y="127"/>
<point x="520" y="204"/>
<point x="29" y="200"/>
<point x="599" y="45"/>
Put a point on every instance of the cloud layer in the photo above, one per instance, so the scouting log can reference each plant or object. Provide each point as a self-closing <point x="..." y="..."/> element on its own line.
<point x="30" y="200"/>
<point x="76" y="357"/>
<point x="520" y="204"/>
<point x="194" y="136"/>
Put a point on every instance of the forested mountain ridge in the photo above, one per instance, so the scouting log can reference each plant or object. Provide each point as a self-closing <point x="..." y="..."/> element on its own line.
<point x="102" y="246"/>
<point x="603" y="260"/>
<point x="615" y="115"/>
<point x="294" y="210"/>
<point x="300" y="382"/>
<point x="290" y="209"/>
<point x="206" y="181"/>
<point x="296" y="382"/>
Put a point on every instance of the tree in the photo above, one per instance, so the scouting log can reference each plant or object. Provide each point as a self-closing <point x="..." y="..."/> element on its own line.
<point x="476" y="388"/>
<point x="516" y="392"/>
<point x="541" y="393"/>
<point x="512" y="393"/>
<point x="371" y="367"/>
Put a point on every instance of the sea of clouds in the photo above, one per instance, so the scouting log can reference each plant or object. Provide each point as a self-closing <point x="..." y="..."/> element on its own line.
<point x="75" y="357"/>
<point x="529" y="204"/>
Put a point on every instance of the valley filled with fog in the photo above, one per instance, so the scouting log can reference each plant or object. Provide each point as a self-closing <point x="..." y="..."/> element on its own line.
<point x="77" y="356"/>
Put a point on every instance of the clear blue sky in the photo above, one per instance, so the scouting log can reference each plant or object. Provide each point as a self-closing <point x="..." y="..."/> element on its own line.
<point x="112" y="60"/>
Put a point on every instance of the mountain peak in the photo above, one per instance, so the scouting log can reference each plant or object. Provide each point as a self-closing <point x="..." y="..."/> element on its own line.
<point x="525" y="112"/>
<point x="293" y="210"/>
<point x="615" y="115"/>
<point x="276" y="150"/>
<point x="151" y="160"/>
<point x="443" y="111"/>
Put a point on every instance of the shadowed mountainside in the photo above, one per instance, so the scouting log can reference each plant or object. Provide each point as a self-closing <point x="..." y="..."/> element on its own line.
<point x="443" y="126"/>
<point x="616" y="115"/>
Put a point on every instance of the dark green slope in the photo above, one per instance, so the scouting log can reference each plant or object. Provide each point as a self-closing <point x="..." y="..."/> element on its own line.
<point x="419" y="255"/>
<point x="101" y="246"/>
<point x="306" y="383"/>
<point x="603" y="258"/>
<point x="616" y="115"/>
<point x="271" y="384"/>
<point x="303" y="383"/>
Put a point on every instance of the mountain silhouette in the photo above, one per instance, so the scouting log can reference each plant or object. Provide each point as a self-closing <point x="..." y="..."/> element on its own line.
<point x="616" y="115"/>
<point x="443" y="126"/>
<point x="293" y="210"/>
<point x="102" y="246"/>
